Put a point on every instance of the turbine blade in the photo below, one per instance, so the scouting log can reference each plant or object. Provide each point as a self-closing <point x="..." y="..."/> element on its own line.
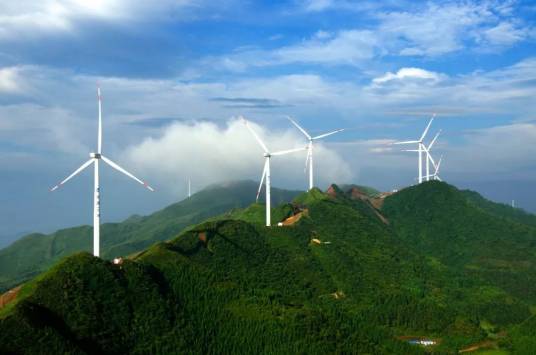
<point x="299" y="127"/>
<point x="432" y="161"/>
<point x="266" y="162"/>
<point x="283" y="152"/>
<point x="99" y="134"/>
<point x="433" y="140"/>
<point x="120" y="169"/>
<point x="439" y="164"/>
<point x="410" y="150"/>
<point x="406" y="142"/>
<point x="427" y="128"/>
<point x="85" y="165"/>
<point x="328" y="134"/>
<point x="255" y="135"/>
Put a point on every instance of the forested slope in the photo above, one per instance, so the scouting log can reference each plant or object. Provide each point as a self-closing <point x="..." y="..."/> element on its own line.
<point x="340" y="279"/>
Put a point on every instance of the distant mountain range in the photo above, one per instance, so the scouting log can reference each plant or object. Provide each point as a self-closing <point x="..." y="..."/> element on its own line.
<point x="349" y="271"/>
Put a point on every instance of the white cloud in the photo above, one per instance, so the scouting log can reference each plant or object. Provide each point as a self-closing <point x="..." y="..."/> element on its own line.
<point x="344" y="47"/>
<point x="318" y="5"/>
<point x="504" y="34"/>
<point x="349" y="47"/>
<point x="209" y="153"/>
<point x="51" y="15"/>
<point x="10" y="81"/>
<point x="33" y="18"/>
<point x="408" y="73"/>
<point x="507" y="91"/>
<point x="420" y="30"/>
<point x="438" y="29"/>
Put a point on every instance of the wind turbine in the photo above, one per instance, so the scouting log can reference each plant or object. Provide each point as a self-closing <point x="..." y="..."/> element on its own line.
<point x="429" y="158"/>
<point x="266" y="171"/>
<point x="421" y="146"/>
<point x="94" y="159"/>
<point x="309" y="159"/>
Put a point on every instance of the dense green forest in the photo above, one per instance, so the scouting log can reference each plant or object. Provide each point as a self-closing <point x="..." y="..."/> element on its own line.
<point x="35" y="253"/>
<point x="344" y="278"/>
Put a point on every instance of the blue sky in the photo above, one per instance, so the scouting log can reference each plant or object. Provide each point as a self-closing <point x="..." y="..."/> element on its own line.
<point x="176" y="74"/>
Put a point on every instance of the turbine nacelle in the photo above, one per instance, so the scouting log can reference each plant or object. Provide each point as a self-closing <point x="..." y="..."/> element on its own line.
<point x="95" y="155"/>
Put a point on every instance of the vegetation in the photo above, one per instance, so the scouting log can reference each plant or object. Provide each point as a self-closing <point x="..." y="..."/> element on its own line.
<point x="499" y="210"/>
<point x="35" y="253"/>
<point x="342" y="279"/>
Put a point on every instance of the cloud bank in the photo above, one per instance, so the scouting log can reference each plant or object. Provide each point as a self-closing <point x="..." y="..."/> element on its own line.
<point x="210" y="153"/>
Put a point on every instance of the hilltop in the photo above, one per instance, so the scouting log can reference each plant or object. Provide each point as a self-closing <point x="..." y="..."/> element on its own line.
<point x="36" y="252"/>
<point x="345" y="277"/>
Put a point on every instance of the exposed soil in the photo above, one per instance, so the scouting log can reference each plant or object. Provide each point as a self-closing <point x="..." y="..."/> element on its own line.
<point x="295" y="218"/>
<point x="481" y="345"/>
<point x="331" y="191"/>
<point x="203" y="237"/>
<point x="9" y="296"/>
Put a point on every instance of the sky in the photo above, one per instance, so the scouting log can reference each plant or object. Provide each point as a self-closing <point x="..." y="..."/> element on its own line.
<point x="176" y="75"/>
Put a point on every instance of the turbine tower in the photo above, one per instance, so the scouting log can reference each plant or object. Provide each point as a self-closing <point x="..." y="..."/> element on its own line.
<point x="266" y="171"/>
<point x="309" y="159"/>
<point x="420" y="147"/>
<point x="189" y="188"/>
<point x="94" y="159"/>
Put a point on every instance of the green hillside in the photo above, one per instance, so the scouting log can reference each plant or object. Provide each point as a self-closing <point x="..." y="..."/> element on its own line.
<point x="500" y="209"/>
<point x="369" y="191"/>
<point x="435" y="218"/>
<point x="35" y="253"/>
<point x="341" y="279"/>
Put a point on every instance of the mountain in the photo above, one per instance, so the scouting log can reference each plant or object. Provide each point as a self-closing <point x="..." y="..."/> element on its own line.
<point x="36" y="252"/>
<point x="340" y="276"/>
<point x="479" y="238"/>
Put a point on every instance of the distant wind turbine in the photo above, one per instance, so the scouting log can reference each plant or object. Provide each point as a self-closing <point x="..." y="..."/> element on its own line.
<point x="420" y="147"/>
<point x="95" y="157"/>
<point x="429" y="158"/>
<point x="189" y="188"/>
<point x="266" y="171"/>
<point x="309" y="159"/>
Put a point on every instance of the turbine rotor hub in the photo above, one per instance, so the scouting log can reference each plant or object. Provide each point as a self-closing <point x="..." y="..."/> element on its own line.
<point x="95" y="155"/>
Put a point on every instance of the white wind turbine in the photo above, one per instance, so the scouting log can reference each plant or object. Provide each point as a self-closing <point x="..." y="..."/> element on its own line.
<point x="95" y="157"/>
<point x="266" y="171"/>
<point x="421" y="146"/>
<point x="309" y="159"/>
<point x="429" y="158"/>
